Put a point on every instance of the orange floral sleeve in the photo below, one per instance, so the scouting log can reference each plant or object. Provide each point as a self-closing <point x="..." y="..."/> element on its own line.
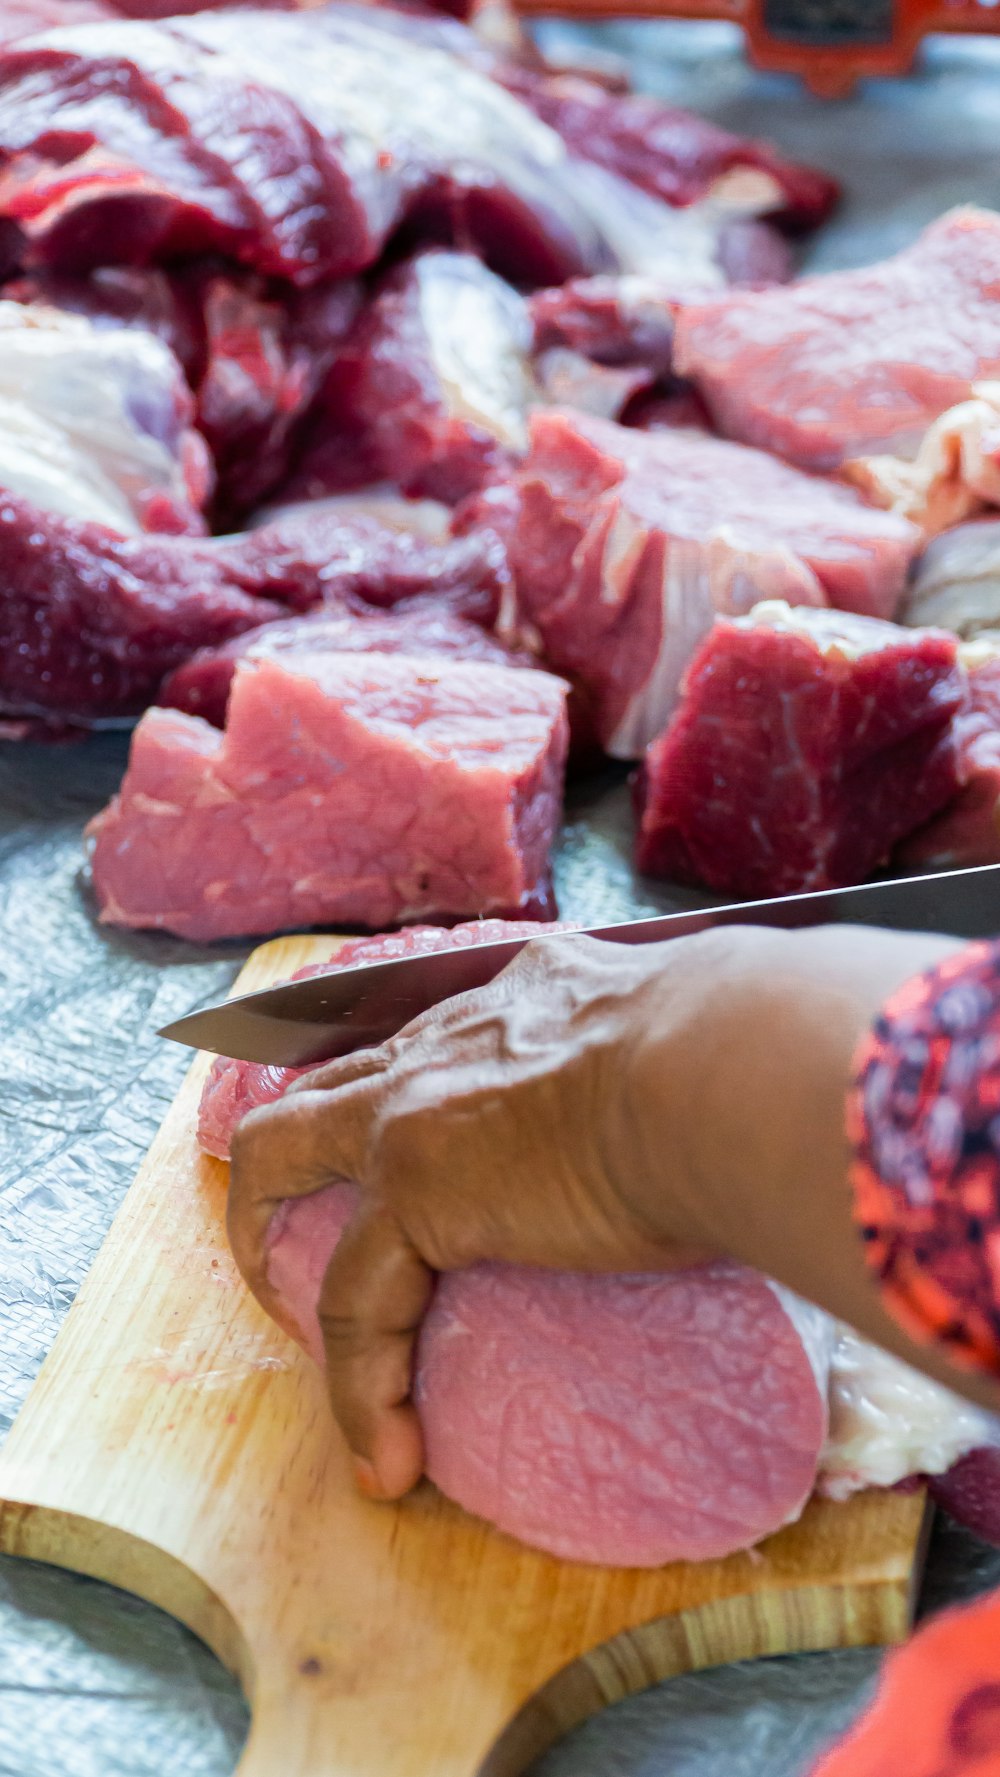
<point x="923" y="1121"/>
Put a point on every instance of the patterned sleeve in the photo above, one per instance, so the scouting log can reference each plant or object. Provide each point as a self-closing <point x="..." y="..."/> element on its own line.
<point x="923" y="1121"/>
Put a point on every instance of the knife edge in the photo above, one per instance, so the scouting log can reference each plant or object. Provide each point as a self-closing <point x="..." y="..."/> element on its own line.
<point x="298" y="1023"/>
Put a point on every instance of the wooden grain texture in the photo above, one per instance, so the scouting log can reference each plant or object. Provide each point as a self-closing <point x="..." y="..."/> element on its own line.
<point x="178" y="1445"/>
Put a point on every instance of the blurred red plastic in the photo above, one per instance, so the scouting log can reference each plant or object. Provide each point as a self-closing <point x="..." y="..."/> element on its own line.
<point x="829" y="43"/>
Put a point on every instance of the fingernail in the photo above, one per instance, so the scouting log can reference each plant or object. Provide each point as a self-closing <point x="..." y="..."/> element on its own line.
<point x="366" y="1478"/>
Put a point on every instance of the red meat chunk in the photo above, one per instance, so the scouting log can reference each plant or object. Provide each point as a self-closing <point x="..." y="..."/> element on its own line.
<point x="347" y="789"/>
<point x="970" y="1492"/>
<point x="432" y="390"/>
<point x="806" y="745"/>
<point x="627" y="544"/>
<point x="294" y="143"/>
<point x="672" y="154"/>
<point x="852" y="363"/>
<point x="91" y="622"/>
<point x="256" y="361"/>
<point x="967" y="832"/>
<point x="426" y="625"/>
<point x="613" y="320"/>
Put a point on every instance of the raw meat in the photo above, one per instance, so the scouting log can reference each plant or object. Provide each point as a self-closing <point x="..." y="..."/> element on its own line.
<point x="970" y="1492"/>
<point x="674" y="156"/>
<point x="423" y="625"/>
<point x="91" y="622"/>
<point x="22" y="18"/>
<point x="321" y="550"/>
<point x="957" y="581"/>
<point x="889" y="1422"/>
<point x="955" y="473"/>
<point x="886" y="1423"/>
<point x="620" y="1420"/>
<point x="97" y="425"/>
<point x="235" y="1087"/>
<point x="433" y="388"/>
<point x="347" y="789"/>
<point x="858" y="362"/>
<point x="567" y="379"/>
<point x="967" y="832"/>
<point x="627" y="544"/>
<point x="806" y="745"/>
<point x="613" y="320"/>
<point x="293" y="143"/>
<point x="255" y="362"/>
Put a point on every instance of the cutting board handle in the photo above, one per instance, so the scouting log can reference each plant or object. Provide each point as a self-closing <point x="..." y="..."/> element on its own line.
<point x="301" y="1710"/>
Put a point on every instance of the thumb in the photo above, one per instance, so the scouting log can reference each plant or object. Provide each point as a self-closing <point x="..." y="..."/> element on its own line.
<point x="375" y="1294"/>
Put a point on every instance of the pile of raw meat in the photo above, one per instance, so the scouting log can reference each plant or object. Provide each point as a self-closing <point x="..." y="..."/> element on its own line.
<point x="391" y="418"/>
<point x="630" y="1420"/>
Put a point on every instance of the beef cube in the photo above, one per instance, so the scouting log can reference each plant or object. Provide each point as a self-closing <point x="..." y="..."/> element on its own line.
<point x="347" y="789"/>
<point x="807" y="744"/>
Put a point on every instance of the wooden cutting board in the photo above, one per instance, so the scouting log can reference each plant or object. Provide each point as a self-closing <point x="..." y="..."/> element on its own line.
<point x="178" y="1445"/>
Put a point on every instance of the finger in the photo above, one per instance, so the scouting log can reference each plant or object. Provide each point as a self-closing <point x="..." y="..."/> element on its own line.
<point x="330" y="1076"/>
<point x="374" y="1296"/>
<point x="291" y="1149"/>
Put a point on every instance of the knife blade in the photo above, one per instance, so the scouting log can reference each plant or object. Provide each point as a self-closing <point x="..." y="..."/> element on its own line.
<point x="324" y="1016"/>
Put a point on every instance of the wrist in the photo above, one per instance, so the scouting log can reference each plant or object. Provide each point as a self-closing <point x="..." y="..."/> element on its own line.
<point x="736" y="1083"/>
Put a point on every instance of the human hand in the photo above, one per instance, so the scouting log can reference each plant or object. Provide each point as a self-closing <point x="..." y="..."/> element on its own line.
<point x="499" y="1125"/>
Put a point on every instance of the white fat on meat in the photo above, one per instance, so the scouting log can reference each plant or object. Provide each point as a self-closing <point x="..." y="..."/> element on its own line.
<point x="479" y="333"/>
<point x="383" y="502"/>
<point x="956" y="584"/>
<point x="93" y="421"/>
<point x="888" y="1421"/>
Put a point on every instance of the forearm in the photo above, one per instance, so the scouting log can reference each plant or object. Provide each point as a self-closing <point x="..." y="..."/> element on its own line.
<point x="760" y="1084"/>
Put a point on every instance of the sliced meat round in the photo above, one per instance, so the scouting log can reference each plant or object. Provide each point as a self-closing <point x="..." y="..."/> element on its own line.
<point x="620" y="1420"/>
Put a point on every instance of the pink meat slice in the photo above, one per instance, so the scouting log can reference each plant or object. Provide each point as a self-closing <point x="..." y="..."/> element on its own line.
<point x="432" y="389"/>
<point x="347" y="789"/>
<point x="627" y="1421"/>
<point x="967" y="831"/>
<point x="426" y="625"/>
<point x="235" y="1087"/>
<point x="627" y="544"/>
<point x="806" y="745"/>
<point x="852" y="363"/>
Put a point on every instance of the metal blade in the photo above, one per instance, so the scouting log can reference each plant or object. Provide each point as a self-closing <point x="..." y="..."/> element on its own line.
<point x="328" y="1015"/>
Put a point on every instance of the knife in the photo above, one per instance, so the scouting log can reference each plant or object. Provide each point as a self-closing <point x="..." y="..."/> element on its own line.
<point x="329" y="1015"/>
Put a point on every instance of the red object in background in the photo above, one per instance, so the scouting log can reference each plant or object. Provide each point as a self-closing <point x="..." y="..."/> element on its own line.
<point x="830" y="43"/>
